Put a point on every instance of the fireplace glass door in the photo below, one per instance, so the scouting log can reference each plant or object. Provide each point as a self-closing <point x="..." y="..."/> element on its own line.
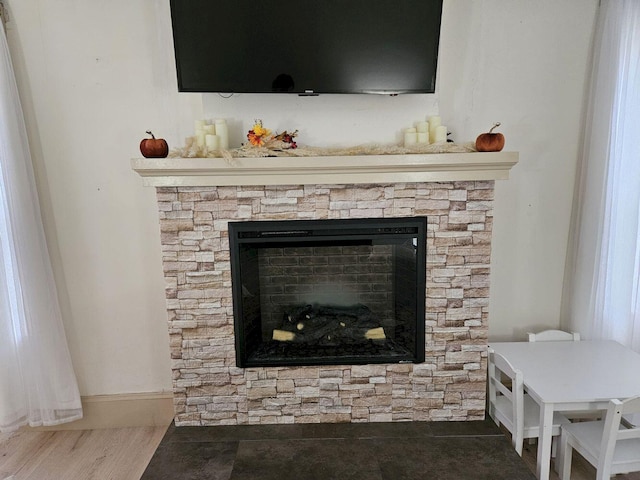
<point x="328" y="292"/>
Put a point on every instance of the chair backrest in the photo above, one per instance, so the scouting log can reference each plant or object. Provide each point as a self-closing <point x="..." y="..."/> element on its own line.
<point x="504" y="380"/>
<point x="554" y="336"/>
<point x="612" y="431"/>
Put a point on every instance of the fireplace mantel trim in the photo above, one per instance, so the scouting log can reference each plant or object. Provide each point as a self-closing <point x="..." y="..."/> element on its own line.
<point x="177" y="172"/>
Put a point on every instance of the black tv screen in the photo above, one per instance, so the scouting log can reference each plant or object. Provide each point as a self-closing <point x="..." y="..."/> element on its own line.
<point x="306" y="47"/>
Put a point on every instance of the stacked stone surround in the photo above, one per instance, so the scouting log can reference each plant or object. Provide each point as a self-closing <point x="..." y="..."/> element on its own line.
<point x="210" y="390"/>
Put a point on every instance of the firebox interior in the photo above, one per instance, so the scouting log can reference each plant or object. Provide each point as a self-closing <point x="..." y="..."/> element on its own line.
<point x="328" y="292"/>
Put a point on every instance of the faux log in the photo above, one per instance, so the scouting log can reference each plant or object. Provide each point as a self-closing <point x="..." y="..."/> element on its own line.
<point x="329" y="325"/>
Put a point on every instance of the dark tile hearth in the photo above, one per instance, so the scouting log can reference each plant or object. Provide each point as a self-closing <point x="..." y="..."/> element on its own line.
<point x="355" y="451"/>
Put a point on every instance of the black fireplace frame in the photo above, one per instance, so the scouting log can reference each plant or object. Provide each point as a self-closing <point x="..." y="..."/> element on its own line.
<point x="315" y="232"/>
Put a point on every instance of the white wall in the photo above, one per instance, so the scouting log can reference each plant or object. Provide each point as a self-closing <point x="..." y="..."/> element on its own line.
<point x="525" y="64"/>
<point x="95" y="75"/>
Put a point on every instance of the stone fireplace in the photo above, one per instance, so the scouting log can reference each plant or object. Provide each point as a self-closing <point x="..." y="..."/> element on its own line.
<point x="197" y="198"/>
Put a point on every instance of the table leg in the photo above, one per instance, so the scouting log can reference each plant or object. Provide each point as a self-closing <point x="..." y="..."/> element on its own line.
<point x="544" y="442"/>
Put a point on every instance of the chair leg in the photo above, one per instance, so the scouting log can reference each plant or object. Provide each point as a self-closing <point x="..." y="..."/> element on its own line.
<point x="492" y="415"/>
<point x="564" y="458"/>
<point x="518" y="442"/>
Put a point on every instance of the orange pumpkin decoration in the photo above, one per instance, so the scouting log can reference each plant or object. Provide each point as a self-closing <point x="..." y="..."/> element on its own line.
<point x="154" y="147"/>
<point x="490" y="142"/>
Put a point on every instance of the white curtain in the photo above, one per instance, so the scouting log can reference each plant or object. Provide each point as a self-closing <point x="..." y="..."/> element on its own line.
<point x="602" y="289"/>
<point x="37" y="382"/>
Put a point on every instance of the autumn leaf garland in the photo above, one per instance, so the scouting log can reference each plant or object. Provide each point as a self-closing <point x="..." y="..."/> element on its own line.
<point x="259" y="136"/>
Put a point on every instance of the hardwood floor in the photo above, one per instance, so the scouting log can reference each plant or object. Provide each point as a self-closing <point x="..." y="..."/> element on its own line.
<point x="107" y="454"/>
<point x="123" y="454"/>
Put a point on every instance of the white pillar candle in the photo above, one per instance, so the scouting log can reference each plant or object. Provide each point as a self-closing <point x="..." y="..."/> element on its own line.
<point x="200" y="138"/>
<point x="441" y="134"/>
<point x="222" y="131"/>
<point x="434" y="122"/>
<point x="410" y="137"/>
<point x="422" y="127"/>
<point x="199" y="125"/>
<point x="209" y="129"/>
<point x="213" y="142"/>
<point x="423" y="137"/>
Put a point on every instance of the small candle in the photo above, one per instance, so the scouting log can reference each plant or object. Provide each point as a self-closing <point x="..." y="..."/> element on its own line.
<point x="422" y="127"/>
<point x="410" y="137"/>
<point x="199" y="125"/>
<point x="200" y="138"/>
<point x="434" y="122"/>
<point x="209" y="129"/>
<point x="441" y="134"/>
<point x="423" y="137"/>
<point x="213" y="142"/>
<point x="222" y="131"/>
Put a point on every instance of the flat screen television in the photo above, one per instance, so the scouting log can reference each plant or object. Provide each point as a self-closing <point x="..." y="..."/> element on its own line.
<point x="306" y="47"/>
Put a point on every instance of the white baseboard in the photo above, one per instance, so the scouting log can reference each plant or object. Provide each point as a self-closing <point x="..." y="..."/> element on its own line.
<point x="122" y="410"/>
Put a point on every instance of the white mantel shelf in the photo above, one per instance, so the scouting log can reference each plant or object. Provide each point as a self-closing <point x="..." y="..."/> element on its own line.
<point x="337" y="170"/>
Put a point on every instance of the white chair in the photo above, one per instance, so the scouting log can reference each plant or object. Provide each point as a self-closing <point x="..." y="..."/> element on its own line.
<point x="510" y="406"/>
<point x="605" y="444"/>
<point x="554" y="336"/>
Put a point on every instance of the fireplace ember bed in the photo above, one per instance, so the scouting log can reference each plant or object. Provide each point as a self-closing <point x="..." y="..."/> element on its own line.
<point x="329" y="292"/>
